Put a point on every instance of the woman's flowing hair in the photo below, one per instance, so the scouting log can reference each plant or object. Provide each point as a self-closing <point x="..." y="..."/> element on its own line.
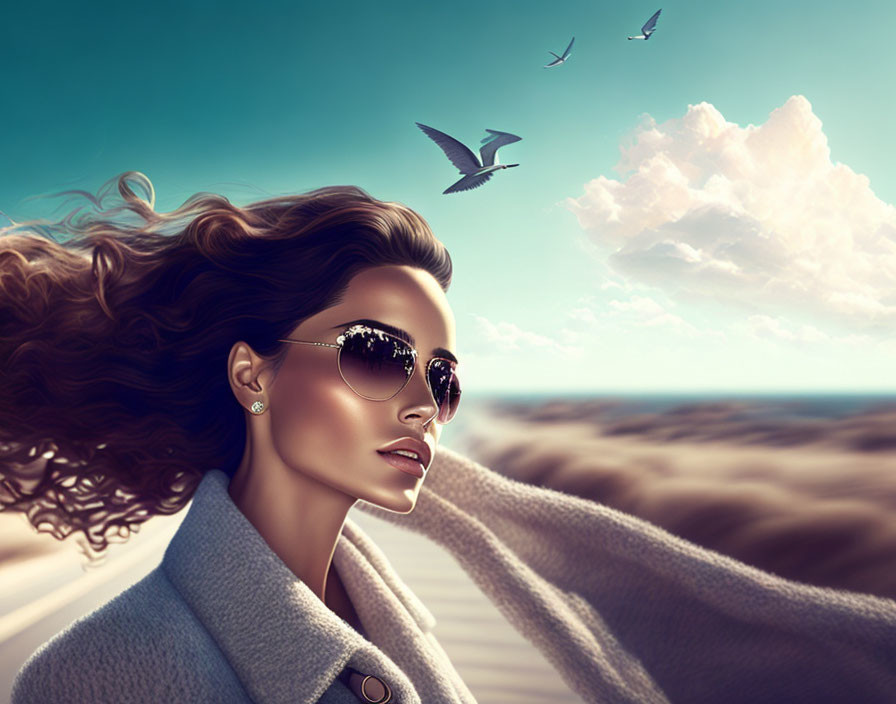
<point x="115" y="328"/>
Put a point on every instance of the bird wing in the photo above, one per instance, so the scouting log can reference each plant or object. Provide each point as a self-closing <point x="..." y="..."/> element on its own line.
<point x="651" y="23"/>
<point x="468" y="183"/>
<point x="566" y="53"/>
<point x="494" y="141"/>
<point x="461" y="156"/>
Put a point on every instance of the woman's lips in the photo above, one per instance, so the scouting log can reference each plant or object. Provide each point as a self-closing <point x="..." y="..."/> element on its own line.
<point x="405" y="464"/>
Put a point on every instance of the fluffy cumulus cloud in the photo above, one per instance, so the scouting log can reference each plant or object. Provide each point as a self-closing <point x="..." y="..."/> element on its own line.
<point x="757" y="217"/>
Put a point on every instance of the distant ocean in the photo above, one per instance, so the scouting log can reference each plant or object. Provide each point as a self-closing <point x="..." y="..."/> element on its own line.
<point x="778" y="404"/>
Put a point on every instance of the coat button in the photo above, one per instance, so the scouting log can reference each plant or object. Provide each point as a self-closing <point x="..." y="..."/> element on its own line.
<point x="375" y="690"/>
<point x="367" y="688"/>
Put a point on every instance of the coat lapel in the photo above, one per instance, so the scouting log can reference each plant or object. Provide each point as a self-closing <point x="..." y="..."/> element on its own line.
<point x="282" y="642"/>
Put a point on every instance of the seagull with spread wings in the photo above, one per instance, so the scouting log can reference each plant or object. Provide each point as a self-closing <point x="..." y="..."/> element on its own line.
<point x="560" y="59"/>
<point x="475" y="174"/>
<point x="649" y="27"/>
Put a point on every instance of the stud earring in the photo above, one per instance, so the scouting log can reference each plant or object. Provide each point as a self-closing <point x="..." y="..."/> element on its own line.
<point x="257" y="407"/>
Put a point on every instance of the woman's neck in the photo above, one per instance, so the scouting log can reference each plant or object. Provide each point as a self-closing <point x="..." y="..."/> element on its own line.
<point x="300" y="519"/>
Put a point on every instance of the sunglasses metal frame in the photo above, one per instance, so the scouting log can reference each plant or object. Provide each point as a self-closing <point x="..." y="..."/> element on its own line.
<point x="339" y="345"/>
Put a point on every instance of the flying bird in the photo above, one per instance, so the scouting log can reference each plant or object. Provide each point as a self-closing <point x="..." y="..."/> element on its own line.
<point x="649" y="26"/>
<point x="560" y="59"/>
<point x="475" y="174"/>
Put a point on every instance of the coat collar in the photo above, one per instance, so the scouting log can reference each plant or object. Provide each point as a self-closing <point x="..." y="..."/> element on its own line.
<point x="283" y="643"/>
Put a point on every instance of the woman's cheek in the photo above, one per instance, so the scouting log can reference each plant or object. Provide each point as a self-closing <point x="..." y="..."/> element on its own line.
<point x="320" y="424"/>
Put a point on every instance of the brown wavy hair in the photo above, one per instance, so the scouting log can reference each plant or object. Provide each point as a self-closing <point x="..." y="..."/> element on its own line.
<point x="116" y="324"/>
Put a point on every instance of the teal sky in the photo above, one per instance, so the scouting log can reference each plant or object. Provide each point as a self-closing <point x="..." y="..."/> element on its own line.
<point x="286" y="97"/>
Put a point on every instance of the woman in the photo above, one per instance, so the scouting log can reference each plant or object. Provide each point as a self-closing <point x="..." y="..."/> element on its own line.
<point x="247" y="342"/>
<point x="296" y="356"/>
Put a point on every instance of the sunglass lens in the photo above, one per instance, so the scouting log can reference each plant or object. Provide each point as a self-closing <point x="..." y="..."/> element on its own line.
<point x="445" y="388"/>
<point x="374" y="364"/>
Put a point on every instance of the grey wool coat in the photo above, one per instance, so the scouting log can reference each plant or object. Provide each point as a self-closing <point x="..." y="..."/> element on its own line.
<point x="625" y="611"/>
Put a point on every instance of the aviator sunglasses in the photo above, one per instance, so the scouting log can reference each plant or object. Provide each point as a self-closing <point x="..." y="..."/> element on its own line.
<point x="377" y="365"/>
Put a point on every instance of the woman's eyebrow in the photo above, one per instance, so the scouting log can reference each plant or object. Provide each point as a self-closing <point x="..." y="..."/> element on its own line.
<point x="397" y="332"/>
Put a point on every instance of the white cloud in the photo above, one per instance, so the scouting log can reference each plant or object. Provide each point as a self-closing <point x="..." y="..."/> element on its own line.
<point x="758" y="217"/>
<point x="613" y="284"/>
<point x="644" y="307"/>
<point x="777" y="328"/>
<point x="505" y="337"/>
<point x="615" y="316"/>
<point x="584" y="314"/>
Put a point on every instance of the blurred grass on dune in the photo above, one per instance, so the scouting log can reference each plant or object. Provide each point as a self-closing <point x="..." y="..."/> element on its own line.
<point x="809" y="497"/>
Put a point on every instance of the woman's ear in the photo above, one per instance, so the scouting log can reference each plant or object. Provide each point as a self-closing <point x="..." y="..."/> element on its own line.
<point x="249" y="376"/>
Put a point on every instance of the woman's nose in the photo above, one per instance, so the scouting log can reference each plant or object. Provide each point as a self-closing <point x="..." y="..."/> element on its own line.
<point x="416" y="398"/>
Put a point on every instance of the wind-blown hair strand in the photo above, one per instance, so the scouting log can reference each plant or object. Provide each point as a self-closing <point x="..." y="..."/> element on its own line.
<point x="115" y="327"/>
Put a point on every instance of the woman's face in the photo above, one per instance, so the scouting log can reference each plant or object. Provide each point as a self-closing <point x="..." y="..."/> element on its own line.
<point x="323" y="429"/>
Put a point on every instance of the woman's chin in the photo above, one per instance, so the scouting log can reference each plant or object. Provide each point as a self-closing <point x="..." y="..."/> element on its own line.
<point x="403" y="502"/>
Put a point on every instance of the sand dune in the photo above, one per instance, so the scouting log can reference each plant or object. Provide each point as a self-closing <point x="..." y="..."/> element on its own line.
<point x="810" y="499"/>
